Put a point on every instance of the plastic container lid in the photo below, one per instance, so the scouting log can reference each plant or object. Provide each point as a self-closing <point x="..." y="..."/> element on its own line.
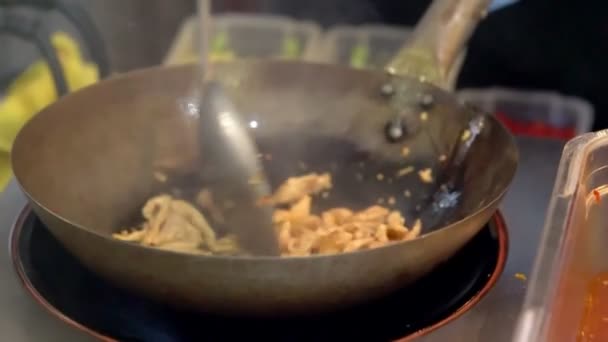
<point x="247" y="36"/>
<point x="370" y="46"/>
<point x="572" y="252"/>
<point x="537" y="113"/>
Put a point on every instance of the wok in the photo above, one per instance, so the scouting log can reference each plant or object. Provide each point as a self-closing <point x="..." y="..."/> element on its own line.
<point x="87" y="165"/>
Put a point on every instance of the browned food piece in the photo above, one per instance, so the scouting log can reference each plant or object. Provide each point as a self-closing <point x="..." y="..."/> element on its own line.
<point x="297" y="187"/>
<point x="177" y="225"/>
<point x="336" y="216"/>
<point x="338" y="230"/>
<point x="426" y="175"/>
<point x="405" y="171"/>
<point x="160" y="176"/>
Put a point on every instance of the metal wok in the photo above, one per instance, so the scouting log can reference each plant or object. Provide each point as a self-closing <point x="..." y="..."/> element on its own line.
<point x="87" y="165"/>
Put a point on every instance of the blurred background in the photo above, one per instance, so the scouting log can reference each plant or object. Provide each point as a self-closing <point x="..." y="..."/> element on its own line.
<point x="537" y="64"/>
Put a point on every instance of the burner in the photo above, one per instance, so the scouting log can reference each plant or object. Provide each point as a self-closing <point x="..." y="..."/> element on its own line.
<point x="78" y="297"/>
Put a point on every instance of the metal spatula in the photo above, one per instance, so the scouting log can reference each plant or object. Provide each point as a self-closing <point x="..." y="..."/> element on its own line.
<point x="231" y="163"/>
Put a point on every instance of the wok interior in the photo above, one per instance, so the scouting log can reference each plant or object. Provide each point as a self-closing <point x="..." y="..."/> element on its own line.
<point x="90" y="158"/>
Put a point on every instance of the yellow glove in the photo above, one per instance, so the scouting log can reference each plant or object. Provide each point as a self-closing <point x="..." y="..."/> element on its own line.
<point x="36" y="85"/>
<point x="5" y="170"/>
<point x="13" y="115"/>
<point x="34" y="89"/>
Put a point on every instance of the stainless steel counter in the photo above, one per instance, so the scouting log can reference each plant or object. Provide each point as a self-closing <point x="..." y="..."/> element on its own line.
<point x="21" y="319"/>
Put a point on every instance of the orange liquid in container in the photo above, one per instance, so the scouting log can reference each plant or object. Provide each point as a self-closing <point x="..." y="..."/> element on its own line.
<point x="594" y="326"/>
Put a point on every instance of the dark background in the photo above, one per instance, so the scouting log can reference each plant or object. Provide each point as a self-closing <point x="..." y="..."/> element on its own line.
<point x="559" y="45"/>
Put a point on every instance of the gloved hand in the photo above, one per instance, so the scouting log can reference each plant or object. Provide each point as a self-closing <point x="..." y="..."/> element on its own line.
<point x="35" y="89"/>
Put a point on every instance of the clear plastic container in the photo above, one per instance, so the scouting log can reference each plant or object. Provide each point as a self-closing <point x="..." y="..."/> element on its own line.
<point x="247" y="36"/>
<point x="573" y="250"/>
<point x="369" y="46"/>
<point x="534" y="112"/>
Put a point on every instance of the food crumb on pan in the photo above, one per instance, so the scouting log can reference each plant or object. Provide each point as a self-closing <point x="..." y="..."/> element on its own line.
<point x="416" y="229"/>
<point x="407" y="193"/>
<point x="426" y="175"/>
<point x="521" y="276"/>
<point x="405" y="151"/>
<point x="160" y="176"/>
<point x="381" y="200"/>
<point x="405" y="171"/>
<point x="443" y="158"/>
<point x="325" y="194"/>
<point x="466" y="135"/>
<point x="597" y="196"/>
<point x="302" y="165"/>
<point x="392" y="200"/>
<point x="424" y="116"/>
<point x="359" y="177"/>
<point x="380" y="176"/>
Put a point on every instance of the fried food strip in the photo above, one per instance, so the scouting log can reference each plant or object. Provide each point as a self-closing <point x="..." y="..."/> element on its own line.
<point x="337" y="230"/>
<point x="174" y="224"/>
<point x="294" y="188"/>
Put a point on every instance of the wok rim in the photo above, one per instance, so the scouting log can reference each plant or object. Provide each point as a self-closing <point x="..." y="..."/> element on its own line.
<point x="163" y="69"/>
<point x="27" y="285"/>
<point x="15" y="230"/>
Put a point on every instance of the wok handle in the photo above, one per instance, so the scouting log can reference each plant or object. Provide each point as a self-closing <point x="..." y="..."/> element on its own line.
<point x="437" y="41"/>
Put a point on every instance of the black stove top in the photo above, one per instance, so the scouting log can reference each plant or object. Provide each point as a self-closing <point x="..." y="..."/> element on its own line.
<point x="78" y="297"/>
